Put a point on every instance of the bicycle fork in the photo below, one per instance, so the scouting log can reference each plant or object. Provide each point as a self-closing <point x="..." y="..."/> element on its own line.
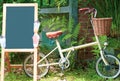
<point x="101" y="51"/>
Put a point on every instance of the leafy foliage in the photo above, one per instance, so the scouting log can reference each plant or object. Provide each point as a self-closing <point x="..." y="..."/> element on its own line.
<point x="63" y="24"/>
<point x="102" y="39"/>
<point x="114" y="43"/>
<point x="53" y="3"/>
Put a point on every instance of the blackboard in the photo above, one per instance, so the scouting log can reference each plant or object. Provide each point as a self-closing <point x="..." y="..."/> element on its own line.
<point x="19" y="24"/>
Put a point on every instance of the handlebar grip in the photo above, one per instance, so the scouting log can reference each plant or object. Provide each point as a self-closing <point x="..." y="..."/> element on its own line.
<point x="84" y="9"/>
<point x="90" y="10"/>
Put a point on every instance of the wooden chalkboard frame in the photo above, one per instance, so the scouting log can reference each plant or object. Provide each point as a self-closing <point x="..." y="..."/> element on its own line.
<point x="6" y="6"/>
<point x="6" y="50"/>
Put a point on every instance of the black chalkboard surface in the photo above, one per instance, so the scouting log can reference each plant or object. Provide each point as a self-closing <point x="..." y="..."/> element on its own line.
<point x="19" y="27"/>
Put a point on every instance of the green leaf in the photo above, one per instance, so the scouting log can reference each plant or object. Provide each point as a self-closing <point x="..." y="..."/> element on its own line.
<point x="68" y="36"/>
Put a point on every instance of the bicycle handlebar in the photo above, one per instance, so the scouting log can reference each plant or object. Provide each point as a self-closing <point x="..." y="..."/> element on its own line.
<point x="92" y="11"/>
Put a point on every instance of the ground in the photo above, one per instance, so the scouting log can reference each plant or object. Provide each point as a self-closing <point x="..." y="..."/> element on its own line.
<point x="69" y="75"/>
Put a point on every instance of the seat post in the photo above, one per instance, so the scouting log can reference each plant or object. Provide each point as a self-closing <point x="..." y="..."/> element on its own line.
<point x="59" y="48"/>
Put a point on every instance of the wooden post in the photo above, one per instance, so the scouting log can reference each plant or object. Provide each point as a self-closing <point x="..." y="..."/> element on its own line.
<point x="35" y="65"/>
<point x="73" y="13"/>
<point x="2" y="64"/>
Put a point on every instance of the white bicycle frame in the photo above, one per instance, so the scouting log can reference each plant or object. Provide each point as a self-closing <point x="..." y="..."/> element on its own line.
<point x="68" y="50"/>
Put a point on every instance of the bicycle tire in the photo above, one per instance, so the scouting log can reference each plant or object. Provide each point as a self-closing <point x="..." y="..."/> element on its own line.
<point x="41" y="71"/>
<point x="108" y="71"/>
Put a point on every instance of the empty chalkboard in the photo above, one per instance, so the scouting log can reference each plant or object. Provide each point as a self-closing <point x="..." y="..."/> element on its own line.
<point x="19" y="22"/>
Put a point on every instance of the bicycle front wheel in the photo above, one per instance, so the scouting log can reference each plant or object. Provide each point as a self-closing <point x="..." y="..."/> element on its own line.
<point x="28" y="66"/>
<point x="108" y="71"/>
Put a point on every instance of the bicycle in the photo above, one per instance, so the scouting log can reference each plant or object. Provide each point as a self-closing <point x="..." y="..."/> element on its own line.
<point x="107" y="66"/>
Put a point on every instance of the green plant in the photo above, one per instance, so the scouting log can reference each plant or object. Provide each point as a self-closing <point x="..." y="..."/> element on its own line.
<point x="52" y="3"/>
<point x="102" y="39"/>
<point x="58" y="23"/>
<point x="114" y="43"/>
<point x="52" y="23"/>
<point x="83" y="3"/>
<point x="102" y="6"/>
<point x="59" y="3"/>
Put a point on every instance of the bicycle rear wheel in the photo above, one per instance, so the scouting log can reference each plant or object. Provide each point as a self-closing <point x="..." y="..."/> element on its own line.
<point x="28" y="66"/>
<point x="108" y="71"/>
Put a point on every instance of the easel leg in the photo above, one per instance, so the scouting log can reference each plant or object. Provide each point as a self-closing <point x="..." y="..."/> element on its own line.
<point x="35" y="65"/>
<point x="2" y="64"/>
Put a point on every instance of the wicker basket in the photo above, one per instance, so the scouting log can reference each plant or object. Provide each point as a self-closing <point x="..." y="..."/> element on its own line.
<point x="102" y="25"/>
